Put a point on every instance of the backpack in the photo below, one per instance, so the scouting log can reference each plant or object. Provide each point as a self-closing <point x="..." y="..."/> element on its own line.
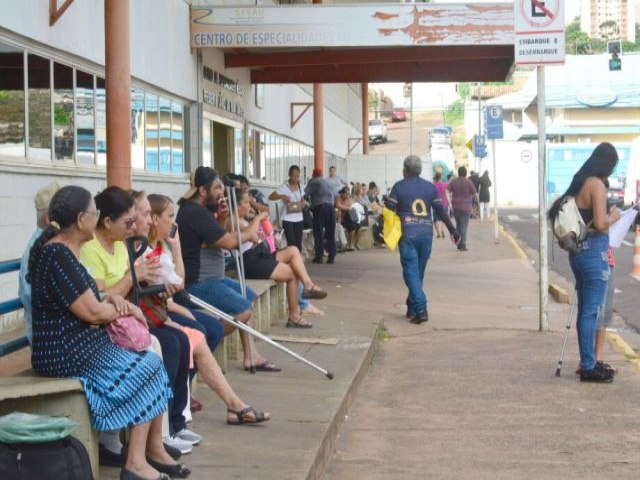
<point x="569" y="227"/>
<point x="65" y="459"/>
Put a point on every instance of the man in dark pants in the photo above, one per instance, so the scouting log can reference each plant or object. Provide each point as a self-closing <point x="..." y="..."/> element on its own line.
<point x="463" y="192"/>
<point x="413" y="200"/>
<point x="322" y="196"/>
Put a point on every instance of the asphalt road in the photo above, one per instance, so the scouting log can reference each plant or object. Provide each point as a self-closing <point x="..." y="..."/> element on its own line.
<point x="524" y="224"/>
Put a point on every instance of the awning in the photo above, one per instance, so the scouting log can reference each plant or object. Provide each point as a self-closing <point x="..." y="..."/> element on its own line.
<point x="361" y="43"/>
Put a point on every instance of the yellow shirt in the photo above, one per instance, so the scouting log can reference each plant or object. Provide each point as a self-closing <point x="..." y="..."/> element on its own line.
<point x="102" y="265"/>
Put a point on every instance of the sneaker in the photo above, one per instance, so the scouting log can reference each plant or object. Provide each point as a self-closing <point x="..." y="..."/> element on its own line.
<point x="179" y="444"/>
<point x="596" y="375"/>
<point x="188" y="436"/>
<point x="420" y="318"/>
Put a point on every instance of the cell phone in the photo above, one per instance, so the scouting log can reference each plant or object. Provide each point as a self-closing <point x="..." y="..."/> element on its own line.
<point x="174" y="229"/>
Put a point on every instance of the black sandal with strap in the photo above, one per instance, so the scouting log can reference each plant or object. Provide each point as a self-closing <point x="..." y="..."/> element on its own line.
<point x="241" y="417"/>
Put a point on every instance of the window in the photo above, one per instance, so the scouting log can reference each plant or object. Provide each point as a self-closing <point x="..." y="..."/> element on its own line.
<point x="151" y="132"/>
<point x="63" y="130"/>
<point x="137" y="129"/>
<point x="101" y="122"/>
<point x="85" y="118"/>
<point x="12" y="131"/>
<point x="39" y="72"/>
<point x="177" y="142"/>
<point x="207" y="144"/>
<point x="165" y="135"/>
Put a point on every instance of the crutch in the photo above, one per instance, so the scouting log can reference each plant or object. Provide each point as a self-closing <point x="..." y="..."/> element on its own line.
<point x="566" y="332"/>
<point x="246" y="328"/>
<point x="235" y="225"/>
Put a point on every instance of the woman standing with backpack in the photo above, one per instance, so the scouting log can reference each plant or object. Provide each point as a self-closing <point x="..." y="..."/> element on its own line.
<point x="590" y="265"/>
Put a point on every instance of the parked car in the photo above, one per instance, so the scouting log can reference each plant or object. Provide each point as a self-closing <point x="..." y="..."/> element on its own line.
<point x="398" y="115"/>
<point x="377" y="131"/>
<point x="441" y="135"/>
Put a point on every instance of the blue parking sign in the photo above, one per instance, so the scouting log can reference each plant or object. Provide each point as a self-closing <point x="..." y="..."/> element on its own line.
<point x="479" y="146"/>
<point x="494" y="121"/>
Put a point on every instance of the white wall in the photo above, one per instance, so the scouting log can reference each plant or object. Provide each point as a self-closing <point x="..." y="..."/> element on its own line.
<point x="159" y="55"/>
<point x="385" y="170"/>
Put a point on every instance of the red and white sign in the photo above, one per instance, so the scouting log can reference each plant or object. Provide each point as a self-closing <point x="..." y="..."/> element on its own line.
<point x="539" y="32"/>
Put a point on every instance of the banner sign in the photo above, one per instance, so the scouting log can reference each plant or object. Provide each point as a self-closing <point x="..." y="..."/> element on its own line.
<point x="539" y="32"/>
<point x="354" y="25"/>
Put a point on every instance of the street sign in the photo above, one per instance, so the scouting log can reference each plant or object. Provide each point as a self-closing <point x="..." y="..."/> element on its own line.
<point x="494" y="122"/>
<point x="525" y="156"/>
<point x="539" y="32"/>
<point x="479" y="146"/>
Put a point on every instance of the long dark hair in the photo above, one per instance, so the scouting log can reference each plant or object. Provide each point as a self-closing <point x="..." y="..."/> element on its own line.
<point x="601" y="163"/>
<point x="65" y="206"/>
<point x="113" y="202"/>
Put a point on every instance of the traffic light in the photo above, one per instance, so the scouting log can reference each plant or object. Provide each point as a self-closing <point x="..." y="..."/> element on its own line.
<point x="615" y="49"/>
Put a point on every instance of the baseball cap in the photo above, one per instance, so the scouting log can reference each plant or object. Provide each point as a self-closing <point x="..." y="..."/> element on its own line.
<point x="372" y="185"/>
<point x="317" y="172"/>
<point x="43" y="197"/>
<point x="201" y="177"/>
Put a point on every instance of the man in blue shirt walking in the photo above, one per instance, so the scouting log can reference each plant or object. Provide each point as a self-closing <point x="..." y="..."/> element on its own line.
<point x="412" y="199"/>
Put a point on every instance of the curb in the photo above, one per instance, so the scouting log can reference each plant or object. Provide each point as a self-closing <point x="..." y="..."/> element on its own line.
<point x="556" y="291"/>
<point x="328" y="443"/>
<point x="514" y="244"/>
<point x="623" y="347"/>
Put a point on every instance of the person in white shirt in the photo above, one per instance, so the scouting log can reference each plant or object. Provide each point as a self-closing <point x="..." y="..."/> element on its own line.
<point x="291" y="193"/>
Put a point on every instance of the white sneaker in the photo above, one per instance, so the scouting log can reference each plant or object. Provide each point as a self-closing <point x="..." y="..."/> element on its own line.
<point x="188" y="436"/>
<point x="178" y="443"/>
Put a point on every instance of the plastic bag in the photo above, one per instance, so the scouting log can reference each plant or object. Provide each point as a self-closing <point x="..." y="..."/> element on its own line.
<point x="392" y="231"/>
<point x="18" y="427"/>
<point x="166" y="274"/>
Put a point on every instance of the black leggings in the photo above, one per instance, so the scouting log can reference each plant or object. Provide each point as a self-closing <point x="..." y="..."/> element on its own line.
<point x="293" y="233"/>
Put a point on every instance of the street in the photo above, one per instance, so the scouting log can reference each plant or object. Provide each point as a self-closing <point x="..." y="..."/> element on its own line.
<point x="523" y="224"/>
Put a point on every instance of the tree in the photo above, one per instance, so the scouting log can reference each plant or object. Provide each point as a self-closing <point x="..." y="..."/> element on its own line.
<point x="577" y="42"/>
<point x="609" y="30"/>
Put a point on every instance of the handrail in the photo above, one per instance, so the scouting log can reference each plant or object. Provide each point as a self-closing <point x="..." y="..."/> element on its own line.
<point x="11" y="305"/>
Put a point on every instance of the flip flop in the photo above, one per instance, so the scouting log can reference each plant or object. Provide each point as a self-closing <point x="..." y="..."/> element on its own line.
<point x="265" y="366"/>
<point x="241" y="417"/>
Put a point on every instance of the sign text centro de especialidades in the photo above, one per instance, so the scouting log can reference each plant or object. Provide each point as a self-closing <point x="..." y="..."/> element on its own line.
<point x="264" y="38"/>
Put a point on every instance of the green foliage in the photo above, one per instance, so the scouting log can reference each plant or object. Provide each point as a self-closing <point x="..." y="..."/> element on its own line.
<point x="628" y="46"/>
<point x="60" y="117"/>
<point x="464" y="90"/>
<point x="455" y="113"/>
<point x="579" y="43"/>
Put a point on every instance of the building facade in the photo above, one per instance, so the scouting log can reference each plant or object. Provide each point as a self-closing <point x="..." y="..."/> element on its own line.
<point x="609" y="19"/>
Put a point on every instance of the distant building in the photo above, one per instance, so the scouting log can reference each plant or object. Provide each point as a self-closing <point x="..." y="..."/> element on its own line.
<point x="609" y="19"/>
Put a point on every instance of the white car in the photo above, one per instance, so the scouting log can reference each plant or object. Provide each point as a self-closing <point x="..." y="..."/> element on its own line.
<point x="377" y="131"/>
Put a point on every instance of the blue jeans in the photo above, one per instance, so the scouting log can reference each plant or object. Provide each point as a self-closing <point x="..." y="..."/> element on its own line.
<point x="591" y="268"/>
<point x="224" y="294"/>
<point x="414" y="254"/>
<point x="462" y="224"/>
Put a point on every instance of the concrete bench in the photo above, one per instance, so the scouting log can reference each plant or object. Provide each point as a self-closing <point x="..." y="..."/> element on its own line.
<point x="30" y="393"/>
<point x="269" y="308"/>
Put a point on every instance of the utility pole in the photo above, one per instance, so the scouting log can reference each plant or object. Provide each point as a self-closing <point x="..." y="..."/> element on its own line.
<point x="476" y="167"/>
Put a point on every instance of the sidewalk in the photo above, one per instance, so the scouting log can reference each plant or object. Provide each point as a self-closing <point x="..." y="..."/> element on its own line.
<point x="470" y="394"/>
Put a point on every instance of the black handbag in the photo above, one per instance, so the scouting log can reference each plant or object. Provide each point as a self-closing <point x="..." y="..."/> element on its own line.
<point x="65" y="459"/>
<point x="307" y="217"/>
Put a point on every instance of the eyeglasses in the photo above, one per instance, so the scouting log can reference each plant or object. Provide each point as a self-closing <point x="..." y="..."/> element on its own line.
<point x="95" y="213"/>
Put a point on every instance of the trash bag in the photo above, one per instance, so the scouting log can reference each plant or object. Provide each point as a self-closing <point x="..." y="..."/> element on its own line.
<point x="18" y="427"/>
<point x="392" y="231"/>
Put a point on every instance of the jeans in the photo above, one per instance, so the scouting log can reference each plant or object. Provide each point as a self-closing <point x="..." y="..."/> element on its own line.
<point x="302" y="302"/>
<point x="175" y="356"/>
<point x="324" y="227"/>
<point x="462" y="223"/>
<point x="591" y="268"/>
<point x="414" y="254"/>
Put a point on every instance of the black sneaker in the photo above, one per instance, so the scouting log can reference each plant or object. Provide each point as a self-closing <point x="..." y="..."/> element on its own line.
<point x="605" y="367"/>
<point x="596" y="375"/>
<point x="315" y="260"/>
<point x="420" y="318"/>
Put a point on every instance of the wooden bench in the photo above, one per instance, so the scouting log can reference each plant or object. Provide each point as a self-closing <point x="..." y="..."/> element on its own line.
<point x="30" y="393"/>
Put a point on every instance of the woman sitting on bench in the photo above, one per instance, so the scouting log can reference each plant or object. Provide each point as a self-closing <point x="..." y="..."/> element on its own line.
<point x="124" y="389"/>
<point x="285" y="265"/>
<point x="163" y="222"/>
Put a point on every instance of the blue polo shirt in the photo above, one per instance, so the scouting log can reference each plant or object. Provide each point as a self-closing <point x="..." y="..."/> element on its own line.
<point x="412" y="199"/>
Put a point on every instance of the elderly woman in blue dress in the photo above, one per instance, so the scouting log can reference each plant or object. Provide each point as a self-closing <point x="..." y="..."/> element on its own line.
<point x="124" y="389"/>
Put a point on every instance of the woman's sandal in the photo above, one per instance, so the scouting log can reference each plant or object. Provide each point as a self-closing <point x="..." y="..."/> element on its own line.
<point x="242" y="417"/>
<point x="314" y="293"/>
<point x="298" y="322"/>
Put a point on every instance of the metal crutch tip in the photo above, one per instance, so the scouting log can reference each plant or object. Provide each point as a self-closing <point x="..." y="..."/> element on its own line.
<point x="557" y="372"/>
<point x="329" y="375"/>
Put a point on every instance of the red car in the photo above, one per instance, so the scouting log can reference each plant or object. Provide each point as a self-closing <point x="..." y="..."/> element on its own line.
<point x="398" y="115"/>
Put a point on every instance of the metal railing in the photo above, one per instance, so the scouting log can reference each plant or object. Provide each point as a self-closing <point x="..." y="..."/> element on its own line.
<point x="9" y="306"/>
